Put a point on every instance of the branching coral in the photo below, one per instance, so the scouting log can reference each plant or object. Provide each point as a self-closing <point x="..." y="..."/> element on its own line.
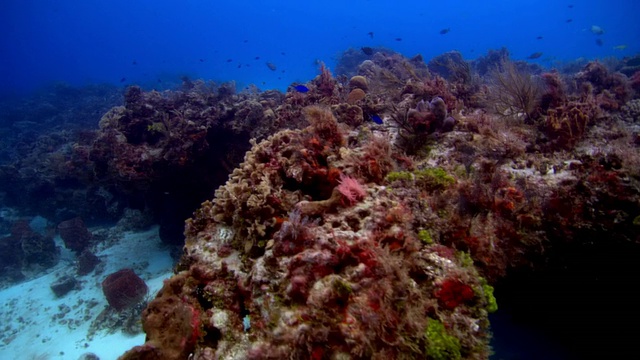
<point x="513" y="92"/>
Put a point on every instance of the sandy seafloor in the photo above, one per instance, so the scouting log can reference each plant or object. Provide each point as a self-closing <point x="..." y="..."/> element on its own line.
<point x="34" y="324"/>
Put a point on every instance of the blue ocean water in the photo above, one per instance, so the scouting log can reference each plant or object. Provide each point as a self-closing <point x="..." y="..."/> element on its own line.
<point x="151" y="41"/>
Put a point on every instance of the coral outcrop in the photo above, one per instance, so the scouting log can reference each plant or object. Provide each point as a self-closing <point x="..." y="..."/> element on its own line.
<point x="293" y="258"/>
<point x="75" y="234"/>
<point x="124" y="289"/>
<point x="25" y="251"/>
<point x="382" y="239"/>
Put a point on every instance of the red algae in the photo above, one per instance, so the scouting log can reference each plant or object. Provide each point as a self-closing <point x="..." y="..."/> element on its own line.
<point x="362" y="225"/>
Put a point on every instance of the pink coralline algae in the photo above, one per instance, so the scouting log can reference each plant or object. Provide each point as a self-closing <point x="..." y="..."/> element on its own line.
<point x="351" y="189"/>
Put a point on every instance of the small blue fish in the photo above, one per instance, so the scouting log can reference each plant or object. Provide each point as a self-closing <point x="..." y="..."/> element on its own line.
<point x="376" y="119"/>
<point x="301" y="88"/>
<point x="246" y="323"/>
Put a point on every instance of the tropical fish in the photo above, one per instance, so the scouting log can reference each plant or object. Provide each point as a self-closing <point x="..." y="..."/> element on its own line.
<point x="123" y="79"/>
<point x="597" y="30"/>
<point x="229" y="60"/>
<point x="539" y="38"/>
<point x="570" y="6"/>
<point x="535" y="55"/>
<point x="376" y="119"/>
<point x="367" y="50"/>
<point x="569" y="20"/>
<point x="599" y="42"/>
<point x="370" y="33"/>
<point x="444" y="31"/>
<point x="620" y="47"/>
<point x="271" y="66"/>
<point x="301" y="88"/>
<point x="246" y="323"/>
<point x="398" y="39"/>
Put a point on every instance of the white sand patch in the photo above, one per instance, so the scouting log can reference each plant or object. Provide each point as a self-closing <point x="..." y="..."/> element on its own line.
<point x="34" y="323"/>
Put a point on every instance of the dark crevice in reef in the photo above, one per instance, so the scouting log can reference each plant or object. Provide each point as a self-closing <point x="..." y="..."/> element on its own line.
<point x="584" y="301"/>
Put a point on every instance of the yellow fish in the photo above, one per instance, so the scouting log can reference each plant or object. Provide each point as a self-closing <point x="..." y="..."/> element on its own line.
<point x="620" y="47"/>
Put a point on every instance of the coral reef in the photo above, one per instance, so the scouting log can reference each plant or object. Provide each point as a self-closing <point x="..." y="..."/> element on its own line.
<point x="25" y="251"/>
<point x="372" y="215"/>
<point x="354" y="239"/>
<point x="339" y="275"/>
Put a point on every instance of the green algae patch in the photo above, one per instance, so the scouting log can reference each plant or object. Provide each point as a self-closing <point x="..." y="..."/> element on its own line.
<point x="492" y="304"/>
<point x="430" y="179"/>
<point x="434" y="178"/>
<point x="465" y="259"/>
<point x="342" y="288"/>
<point x="399" y="176"/>
<point x="440" y="344"/>
<point x="425" y="237"/>
<point x="487" y="292"/>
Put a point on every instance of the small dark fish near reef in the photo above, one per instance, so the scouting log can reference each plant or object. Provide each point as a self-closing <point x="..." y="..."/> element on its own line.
<point x="599" y="42"/>
<point x="444" y="31"/>
<point x="539" y="38"/>
<point x="370" y="33"/>
<point x="271" y="66"/>
<point x="569" y="20"/>
<point x="398" y="39"/>
<point x="301" y="88"/>
<point x="376" y="119"/>
<point x="123" y="79"/>
<point x="534" y="55"/>
<point x="367" y="50"/>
